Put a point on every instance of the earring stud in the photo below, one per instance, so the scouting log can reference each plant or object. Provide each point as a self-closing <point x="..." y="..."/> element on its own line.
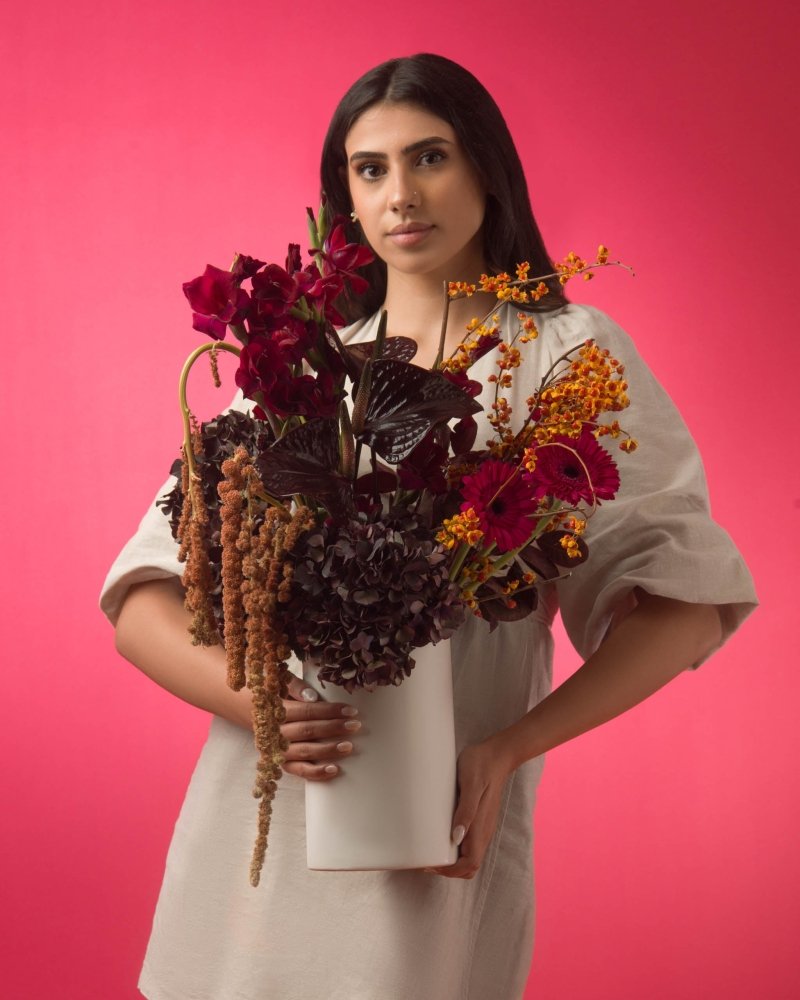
<point x="354" y="216"/>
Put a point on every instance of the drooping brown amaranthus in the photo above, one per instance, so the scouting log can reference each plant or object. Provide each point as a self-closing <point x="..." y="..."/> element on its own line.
<point x="265" y="574"/>
<point x="235" y="538"/>
<point x="193" y="537"/>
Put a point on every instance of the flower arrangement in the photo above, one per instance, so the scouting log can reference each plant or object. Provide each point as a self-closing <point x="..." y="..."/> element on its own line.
<point x="352" y="517"/>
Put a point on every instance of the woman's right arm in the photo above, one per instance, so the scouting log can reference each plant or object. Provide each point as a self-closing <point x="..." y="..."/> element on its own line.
<point x="152" y="633"/>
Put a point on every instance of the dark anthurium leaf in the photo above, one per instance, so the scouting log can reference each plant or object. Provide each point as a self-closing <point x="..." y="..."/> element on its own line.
<point x="405" y="402"/>
<point x="463" y="435"/>
<point x="395" y="348"/>
<point x="305" y="461"/>
<point x="549" y="544"/>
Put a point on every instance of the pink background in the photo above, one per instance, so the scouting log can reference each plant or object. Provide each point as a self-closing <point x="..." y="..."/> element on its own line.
<point x="141" y="141"/>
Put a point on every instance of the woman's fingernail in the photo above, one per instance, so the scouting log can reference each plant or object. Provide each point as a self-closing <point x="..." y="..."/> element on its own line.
<point x="349" y="710"/>
<point x="459" y="834"/>
<point x="331" y="769"/>
<point x="309" y="694"/>
<point x="344" y="747"/>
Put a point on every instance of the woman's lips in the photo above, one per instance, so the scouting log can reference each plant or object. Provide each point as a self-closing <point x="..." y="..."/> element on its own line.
<point x="410" y="237"/>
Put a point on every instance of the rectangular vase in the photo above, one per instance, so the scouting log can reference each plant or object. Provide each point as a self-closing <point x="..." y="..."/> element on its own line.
<point x="391" y="807"/>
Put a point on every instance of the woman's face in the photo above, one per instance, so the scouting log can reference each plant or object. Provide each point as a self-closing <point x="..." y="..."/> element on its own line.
<point x="418" y="197"/>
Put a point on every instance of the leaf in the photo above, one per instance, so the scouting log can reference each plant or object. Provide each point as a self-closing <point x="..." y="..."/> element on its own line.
<point x="394" y="349"/>
<point x="405" y="402"/>
<point x="305" y="461"/>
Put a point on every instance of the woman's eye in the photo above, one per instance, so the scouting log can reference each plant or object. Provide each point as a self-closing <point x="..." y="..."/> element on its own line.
<point x="431" y="157"/>
<point x="370" y="171"/>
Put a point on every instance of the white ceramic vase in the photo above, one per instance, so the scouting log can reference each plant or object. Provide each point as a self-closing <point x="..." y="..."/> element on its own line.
<point x="391" y="807"/>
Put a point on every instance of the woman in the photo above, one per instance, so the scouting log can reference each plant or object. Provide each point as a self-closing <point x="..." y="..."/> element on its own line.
<point x="419" y="153"/>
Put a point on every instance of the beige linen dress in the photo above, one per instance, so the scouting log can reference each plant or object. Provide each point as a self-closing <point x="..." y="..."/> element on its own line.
<point x="310" y="935"/>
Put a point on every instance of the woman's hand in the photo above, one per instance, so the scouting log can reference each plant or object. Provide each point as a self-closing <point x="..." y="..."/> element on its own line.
<point x="319" y="733"/>
<point x="483" y="770"/>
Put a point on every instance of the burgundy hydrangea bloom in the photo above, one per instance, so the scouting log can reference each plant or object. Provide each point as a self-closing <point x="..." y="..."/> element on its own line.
<point x="574" y="469"/>
<point x="216" y="301"/>
<point x="343" y="258"/>
<point x="503" y="501"/>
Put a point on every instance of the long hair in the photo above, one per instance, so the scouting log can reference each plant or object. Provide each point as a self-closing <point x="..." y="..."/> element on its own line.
<point x="451" y="92"/>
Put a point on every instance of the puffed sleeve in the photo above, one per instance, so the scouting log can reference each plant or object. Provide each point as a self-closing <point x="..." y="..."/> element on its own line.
<point x="151" y="554"/>
<point x="658" y="533"/>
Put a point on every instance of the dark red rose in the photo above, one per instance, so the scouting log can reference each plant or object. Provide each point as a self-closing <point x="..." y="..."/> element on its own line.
<point x="216" y="301"/>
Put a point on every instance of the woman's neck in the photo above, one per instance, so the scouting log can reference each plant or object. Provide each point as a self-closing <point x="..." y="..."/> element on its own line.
<point x="416" y="303"/>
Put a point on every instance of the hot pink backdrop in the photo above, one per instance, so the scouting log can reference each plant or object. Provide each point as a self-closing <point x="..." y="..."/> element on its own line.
<point x="143" y="140"/>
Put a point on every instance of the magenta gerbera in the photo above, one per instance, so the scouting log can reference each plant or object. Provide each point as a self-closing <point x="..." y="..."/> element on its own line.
<point x="574" y="469"/>
<point x="503" y="501"/>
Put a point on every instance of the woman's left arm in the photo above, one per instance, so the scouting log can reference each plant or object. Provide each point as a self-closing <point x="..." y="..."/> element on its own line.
<point x="658" y="640"/>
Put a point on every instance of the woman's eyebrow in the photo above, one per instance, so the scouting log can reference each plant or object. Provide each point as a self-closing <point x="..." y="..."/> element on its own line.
<point x="405" y="150"/>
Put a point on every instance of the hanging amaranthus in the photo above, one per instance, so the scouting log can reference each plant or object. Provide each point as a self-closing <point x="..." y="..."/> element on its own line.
<point x="193" y="537"/>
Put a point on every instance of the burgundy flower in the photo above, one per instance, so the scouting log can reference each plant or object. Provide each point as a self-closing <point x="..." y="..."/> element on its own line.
<point x="245" y="267"/>
<point x="503" y="502"/>
<point x="574" y="469"/>
<point x="293" y="261"/>
<point x="424" y="467"/>
<point x="342" y="258"/>
<point x="261" y="363"/>
<point x="305" y="395"/>
<point x="216" y="301"/>
<point x="274" y="293"/>
<point x="461" y="379"/>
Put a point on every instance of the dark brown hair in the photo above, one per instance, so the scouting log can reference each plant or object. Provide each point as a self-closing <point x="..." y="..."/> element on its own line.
<point x="451" y="92"/>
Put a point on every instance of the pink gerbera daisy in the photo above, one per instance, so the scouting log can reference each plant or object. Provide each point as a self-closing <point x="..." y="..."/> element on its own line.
<point x="503" y="502"/>
<point x="574" y="469"/>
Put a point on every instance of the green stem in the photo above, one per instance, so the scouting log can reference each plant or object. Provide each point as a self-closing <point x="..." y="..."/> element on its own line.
<point x="443" y="332"/>
<point x="185" y="412"/>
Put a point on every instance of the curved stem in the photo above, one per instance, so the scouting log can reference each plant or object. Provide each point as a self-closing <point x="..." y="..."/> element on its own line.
<point x="185" y="412"/>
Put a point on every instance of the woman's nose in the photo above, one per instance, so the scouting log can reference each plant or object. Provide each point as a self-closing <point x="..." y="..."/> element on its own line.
<point x="402" y="195"/>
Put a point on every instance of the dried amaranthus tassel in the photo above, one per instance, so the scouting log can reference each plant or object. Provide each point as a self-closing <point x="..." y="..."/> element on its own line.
<point x="266" y="573"/>
<point x="235" y="538"/>
<point x="193" y="537"/>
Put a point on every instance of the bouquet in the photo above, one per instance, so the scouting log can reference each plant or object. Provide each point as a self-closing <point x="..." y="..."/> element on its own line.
<point x="353" y="516"/>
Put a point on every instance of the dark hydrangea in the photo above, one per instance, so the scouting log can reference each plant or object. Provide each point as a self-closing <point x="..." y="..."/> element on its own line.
<point x="365" y="594"/>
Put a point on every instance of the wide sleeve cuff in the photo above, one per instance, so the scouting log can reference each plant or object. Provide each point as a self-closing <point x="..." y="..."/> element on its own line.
<point x="658" y="533"/>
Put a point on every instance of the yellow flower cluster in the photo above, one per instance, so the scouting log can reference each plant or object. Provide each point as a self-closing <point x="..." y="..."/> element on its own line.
<point x="529" y="329"/>
<point x="592" y="385"/>
<point x="572" y="265"/>
<point x="570" y="546"/>
<point x="464" y="355"/>
<point x="463" y="527"/>
<point x="502" y="285"/>
<point x="500" y="419"/>
<point x="509" y="357"/>
<point x="567" y="268"/>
